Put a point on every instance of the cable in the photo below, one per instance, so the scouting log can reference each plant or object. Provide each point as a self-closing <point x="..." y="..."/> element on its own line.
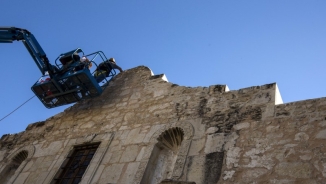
<point x="17" y="108"/>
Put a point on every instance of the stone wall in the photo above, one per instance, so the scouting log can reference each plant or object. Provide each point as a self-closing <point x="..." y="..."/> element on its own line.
<point x="238" y="136"/>
<point x="285" y="148"/>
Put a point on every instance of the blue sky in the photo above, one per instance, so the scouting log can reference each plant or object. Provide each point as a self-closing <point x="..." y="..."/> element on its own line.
<point x="195" y="43"/>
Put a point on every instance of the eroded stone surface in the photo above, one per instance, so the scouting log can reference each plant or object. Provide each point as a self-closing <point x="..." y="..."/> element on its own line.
<point x="237" y="136"/>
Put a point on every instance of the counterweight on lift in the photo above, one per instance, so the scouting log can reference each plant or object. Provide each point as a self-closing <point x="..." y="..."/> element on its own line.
<point x="63" y="82"/>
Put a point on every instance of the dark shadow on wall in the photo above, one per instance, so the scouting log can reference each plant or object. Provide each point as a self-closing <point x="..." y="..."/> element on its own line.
<point x="213" y="167"/>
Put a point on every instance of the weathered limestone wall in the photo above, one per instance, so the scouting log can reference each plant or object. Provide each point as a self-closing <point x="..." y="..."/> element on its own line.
<point x="238" y="136"/>
<point x="286" y="148"/>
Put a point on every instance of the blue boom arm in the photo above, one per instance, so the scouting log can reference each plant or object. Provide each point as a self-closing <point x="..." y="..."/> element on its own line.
<point x="10" y="34"/>
<point x="69" y="82"/>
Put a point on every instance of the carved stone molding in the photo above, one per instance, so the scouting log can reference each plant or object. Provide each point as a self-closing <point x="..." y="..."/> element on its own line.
<point x="178" y="167"/>
<point x="140" y="172"/>
<point x="86" y="139"/>
<point x="187" y="128"/>
<point x="171" y="138"/>
<point x="89" y="138"/>
<point x="148" y="152"/>
<point x="188" y="133"/>
<point x="184" y="148"/>
<point x="30" y="150"/>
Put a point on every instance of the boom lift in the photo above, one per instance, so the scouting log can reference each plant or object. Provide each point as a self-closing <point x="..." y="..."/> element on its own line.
<point x="68" y="80"/>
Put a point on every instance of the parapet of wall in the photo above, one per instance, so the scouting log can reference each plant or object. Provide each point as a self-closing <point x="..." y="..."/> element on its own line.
<point x="237" y="136"/>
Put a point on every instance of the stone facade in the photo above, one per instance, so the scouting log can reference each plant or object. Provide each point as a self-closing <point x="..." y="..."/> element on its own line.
<point x="153" y="131"/>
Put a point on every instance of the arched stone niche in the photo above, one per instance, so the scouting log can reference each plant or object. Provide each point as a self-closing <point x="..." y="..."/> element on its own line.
<point x="15" y="163"/>
<point x="168" y="148"/>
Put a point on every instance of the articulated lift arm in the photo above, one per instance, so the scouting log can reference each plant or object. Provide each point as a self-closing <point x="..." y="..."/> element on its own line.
<point x="10" y="34"/>
<point x="66" y="84"/>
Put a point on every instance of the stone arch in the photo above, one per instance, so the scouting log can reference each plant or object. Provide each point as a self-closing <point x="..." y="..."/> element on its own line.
<point x="171" y="138"/>
<point x="15" y="163"/>
<point x="185" y="132"/>
<point x="19" y="158"/>
<point x="30" y="150"/>
<point x="187" y="128"/>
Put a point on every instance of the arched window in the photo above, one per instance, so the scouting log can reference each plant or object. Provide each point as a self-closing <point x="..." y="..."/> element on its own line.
<point x="13" y="165"/>
<point x="163" y="158"/>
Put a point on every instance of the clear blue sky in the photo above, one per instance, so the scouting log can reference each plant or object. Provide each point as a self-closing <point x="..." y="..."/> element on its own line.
<point x="195" y="43"/>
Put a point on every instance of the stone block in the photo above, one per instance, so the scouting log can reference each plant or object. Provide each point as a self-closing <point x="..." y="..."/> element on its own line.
<point x="158" y="107"/>
<point x="37" y="164"/>
<point x="321" y="134"/>
<point x="283" y="181"/>
<point x="151" y="132"/>
<point x="212" y="130"/>
<point x="28" y="166"/>
<point x="121" y="104"/>
<point x="214" y="143"/>
<point x="301" y="136"/>
<point x="98" y="155"/>
<point x="115" y="157"/>
<point x="147" y="153"/>
<point x="259" y="160"/>
<point x="232" y="157"/>
<point x="135" y="96"/>
<point x="272" y="128"/>
<point x="196" y="168"/>
<point x="241" y="126"/>
<point x="295" y="170"/>
<point x="178" y="166"/>
<point x="130" y="153"/>
<point x="305" y="157"/>
<point x="141" y="154"/>
<point x="253" y="174"/>
<point x="122" y="135"/>
<point x="106" y="158"/>
<point x="45" y="166"/>
<point x="134" y="137"/>
<point x="53" y="164"/>
<point x="199" y="128"/>
<point x="2" y="154"/>
<point x="97" y="174"/>
<point x="129" y="173"/>
<point x="32" y="177"/>
<point x="228" y="174"/>
<point x="196" y="147"/>
<point x="111" y="173"/>
<point x="41" y="176"/>
<point x="52" y="149"/>
<point x="21" y="178"/>
<point x="269" y="111"/>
